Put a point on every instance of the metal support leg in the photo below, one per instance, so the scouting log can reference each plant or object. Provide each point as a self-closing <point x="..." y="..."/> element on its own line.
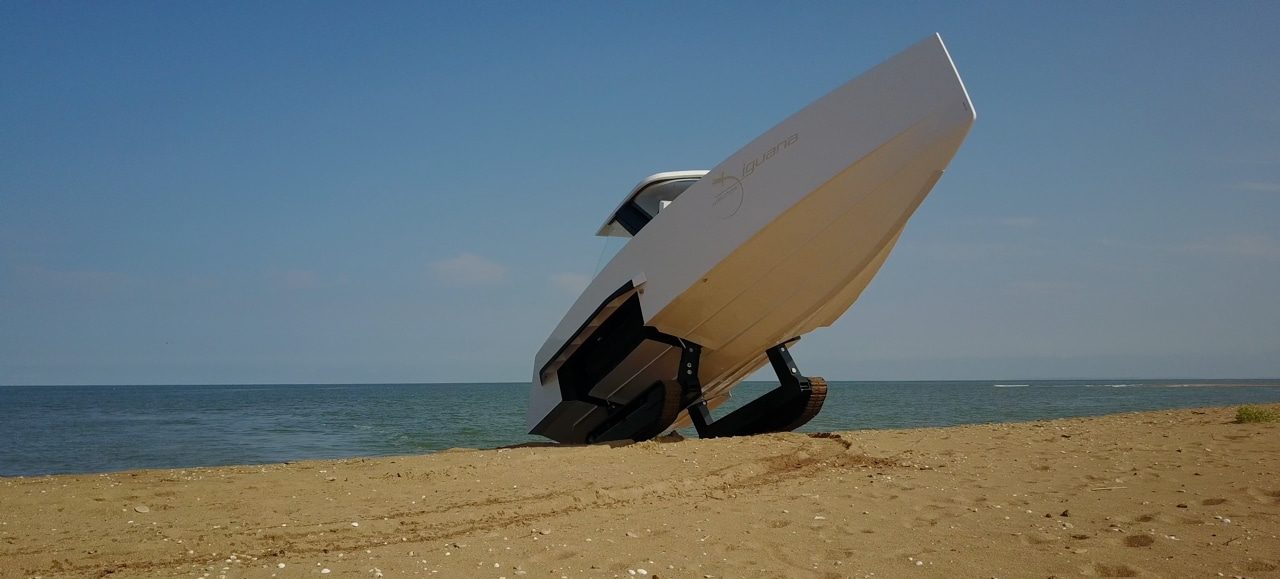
<point x="789" y="375"/>
<point x="690" y="355"/>
<point x="796" y="399"/>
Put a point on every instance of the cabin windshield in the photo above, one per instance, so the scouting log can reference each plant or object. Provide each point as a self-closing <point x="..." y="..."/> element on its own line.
<point x="644" y="205"/>
<point x="655" y="198"/>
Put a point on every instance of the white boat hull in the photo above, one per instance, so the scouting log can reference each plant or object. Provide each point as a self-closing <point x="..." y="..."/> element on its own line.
<point x="778" y="240"/>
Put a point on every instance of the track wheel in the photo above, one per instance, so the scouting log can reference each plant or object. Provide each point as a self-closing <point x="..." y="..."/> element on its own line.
<point x="644" y="418"/>
<point x="812" y="406"/>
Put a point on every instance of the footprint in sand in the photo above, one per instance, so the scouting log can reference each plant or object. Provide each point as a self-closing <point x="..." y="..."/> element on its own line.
<point x="1161" y="517"/>
<point x="1037" y="539"/>
<point x="1260" y="566"/>
<point x="1119" y="570"/>
<point x="919" y="522"/>
<point x="1139" y="541"/>
<point x="1265" y="496"/>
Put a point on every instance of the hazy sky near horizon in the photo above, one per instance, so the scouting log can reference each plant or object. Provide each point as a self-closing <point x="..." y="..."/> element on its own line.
<point x="407" y="192"/>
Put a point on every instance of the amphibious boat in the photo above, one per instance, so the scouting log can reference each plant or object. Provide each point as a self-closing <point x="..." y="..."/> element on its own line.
<point x="726" y="268"/>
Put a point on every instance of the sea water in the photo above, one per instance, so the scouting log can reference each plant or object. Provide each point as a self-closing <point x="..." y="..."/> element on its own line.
<point x="85" y="429"/>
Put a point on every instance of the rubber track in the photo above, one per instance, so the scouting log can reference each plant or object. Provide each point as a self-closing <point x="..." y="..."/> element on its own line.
<point x="671" y="407"/>
<point x="817" y="395"/>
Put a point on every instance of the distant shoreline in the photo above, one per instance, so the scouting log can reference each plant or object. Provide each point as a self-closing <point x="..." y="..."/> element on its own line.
<point x="1190" y="381"/>
<point x="119" y="428"/>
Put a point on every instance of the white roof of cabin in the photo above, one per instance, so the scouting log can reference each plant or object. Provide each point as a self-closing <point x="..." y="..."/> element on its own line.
<point x="612" y="228"/>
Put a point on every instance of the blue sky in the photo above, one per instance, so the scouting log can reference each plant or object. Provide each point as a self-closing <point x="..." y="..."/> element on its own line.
<point x="311" y="192"/>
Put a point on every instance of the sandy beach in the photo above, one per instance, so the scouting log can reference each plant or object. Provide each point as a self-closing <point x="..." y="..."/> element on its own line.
<point x="1183" y="493"/>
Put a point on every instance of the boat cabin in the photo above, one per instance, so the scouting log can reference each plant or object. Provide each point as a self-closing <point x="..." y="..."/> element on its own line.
<point x="644" y="202"/>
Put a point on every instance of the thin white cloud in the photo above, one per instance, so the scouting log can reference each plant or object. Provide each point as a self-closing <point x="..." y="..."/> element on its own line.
<point x="1043" y="288"/>
<point x="81" y="280"/>
<point x="1019" y="222"/>
<point x="569" y="283"/>
<point x="469" y="269"/>
<point x="976" y="251"/>
<point x="1250" y="246"/>
<point x="1258" y="186"/>
<point x="294" y="279"/>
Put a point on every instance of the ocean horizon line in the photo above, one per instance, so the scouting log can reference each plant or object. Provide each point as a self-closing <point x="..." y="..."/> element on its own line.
<point x="1004" y="380"/>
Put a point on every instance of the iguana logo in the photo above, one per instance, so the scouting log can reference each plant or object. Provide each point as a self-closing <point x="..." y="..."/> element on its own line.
<point x="729" y="199"/>
<point x="755" y="163"/>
